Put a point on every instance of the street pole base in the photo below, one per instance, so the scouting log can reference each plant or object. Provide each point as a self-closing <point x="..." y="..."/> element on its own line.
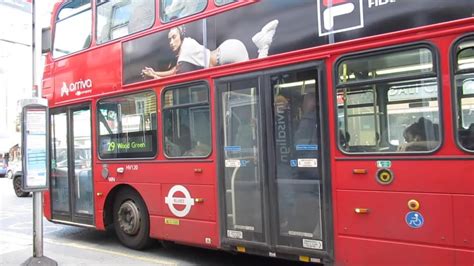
<point x="36" y="261"/>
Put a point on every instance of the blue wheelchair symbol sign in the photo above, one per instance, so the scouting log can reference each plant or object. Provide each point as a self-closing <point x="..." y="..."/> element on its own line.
<point x="293" y="163"/>
<point x="414" y="219"/>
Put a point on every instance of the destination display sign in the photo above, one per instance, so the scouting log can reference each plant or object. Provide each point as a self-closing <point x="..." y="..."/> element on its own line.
<point x="127" y="145"/>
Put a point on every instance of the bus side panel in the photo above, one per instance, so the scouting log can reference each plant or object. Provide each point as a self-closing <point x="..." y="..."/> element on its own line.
<point x="464" y="222"/>
<point x="47" y="205"/>
<point x="386" y="216"/>
<point x="464" y="258"/>
<point x="373" y="252"/>
<point x="443" y="176"/>
<point x="202" y="208"/>
<point x="188" y="215"/>
<point x="151" y="193"/>
<point x="186" y="231"/>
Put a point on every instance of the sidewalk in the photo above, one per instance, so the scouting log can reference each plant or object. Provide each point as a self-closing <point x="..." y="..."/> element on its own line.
<point x="16" y="248"/>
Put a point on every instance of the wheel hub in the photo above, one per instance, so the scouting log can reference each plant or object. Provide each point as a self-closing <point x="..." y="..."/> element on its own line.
<point x="129" y="217"/>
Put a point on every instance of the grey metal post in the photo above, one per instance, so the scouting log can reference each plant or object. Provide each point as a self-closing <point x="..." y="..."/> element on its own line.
<point x="38" y="258"/>
<point x="37" y="206"/>
<point x="37" y="224"/>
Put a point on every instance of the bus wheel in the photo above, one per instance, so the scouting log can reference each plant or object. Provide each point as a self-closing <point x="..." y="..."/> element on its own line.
<point x="17" y="187"/>
<point x="131" y="220"/>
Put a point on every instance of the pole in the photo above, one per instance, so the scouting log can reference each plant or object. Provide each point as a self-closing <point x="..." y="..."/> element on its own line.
<point x="37" y="224"/>
<point x="37" y="195"/>
<point x="38" y="258"/>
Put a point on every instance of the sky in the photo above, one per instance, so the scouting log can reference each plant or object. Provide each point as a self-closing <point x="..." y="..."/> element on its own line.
<point x="15" y="61"/>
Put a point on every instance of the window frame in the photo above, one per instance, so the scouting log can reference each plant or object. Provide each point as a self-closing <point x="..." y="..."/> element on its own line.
<point x="155" y="138"/>
<point x="161" y="12"/>
<point x="454" y="98"/>
<point x="152" y="22"/>
<point x="380" y="51"/>
<point x="187" y="106"/>
<point x="56" y="20"/>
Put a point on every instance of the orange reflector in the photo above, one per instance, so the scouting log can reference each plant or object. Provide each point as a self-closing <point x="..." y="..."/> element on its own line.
<point x="199" y="200"/>
<point x="361" y="210"/>
<point x="304" y="258"/>
<point x="241" y="249"/>
<point x="198" y="170"/>
<point x="413" y="205"/>
<point x="359" y="171"/>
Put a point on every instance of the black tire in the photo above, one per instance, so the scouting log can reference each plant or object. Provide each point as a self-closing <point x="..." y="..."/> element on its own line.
<point x="131" y="220"/>
<point x="17" y="187"/>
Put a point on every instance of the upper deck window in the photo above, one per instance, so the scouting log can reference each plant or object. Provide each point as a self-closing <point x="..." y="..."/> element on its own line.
<point x="223" y="2"/>
<point x="117" y="18"/>
<point x="175" y="9"/>
<point x="388" y="102"/>
<point x="127" y="126"/>
<point x="186" y="121"/>
<point x="464" y="82"/>
<point x="73" y="28"/>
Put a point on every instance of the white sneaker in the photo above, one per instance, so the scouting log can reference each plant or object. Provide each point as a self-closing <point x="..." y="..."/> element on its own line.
<point x="264" y="38"/>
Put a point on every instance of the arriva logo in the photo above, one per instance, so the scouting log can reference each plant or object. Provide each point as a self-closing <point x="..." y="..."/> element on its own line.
<point x="78" y="88"/>
<point x="339" y="15"/>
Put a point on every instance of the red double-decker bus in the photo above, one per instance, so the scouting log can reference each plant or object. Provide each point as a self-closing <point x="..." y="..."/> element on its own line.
<point x="339" y="132"/>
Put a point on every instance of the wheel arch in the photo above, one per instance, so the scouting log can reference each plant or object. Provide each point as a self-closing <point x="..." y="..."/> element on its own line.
<point x="109" y="202"/>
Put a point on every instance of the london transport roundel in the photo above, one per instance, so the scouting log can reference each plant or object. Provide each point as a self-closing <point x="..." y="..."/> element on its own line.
<point x="187" y="201"/>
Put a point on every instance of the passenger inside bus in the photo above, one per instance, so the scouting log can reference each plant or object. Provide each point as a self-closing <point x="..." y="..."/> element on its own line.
<point x="344" y="138"/>
<point x="191" y="55"/>
<point x="306" y="132"/>
<point x="420" y="136"/>
<point x="466" y="137"/>
<point x="306" y="135"/>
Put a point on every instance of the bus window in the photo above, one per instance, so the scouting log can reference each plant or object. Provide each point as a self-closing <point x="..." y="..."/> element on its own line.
<point x="73" y="28"/>
<point x="464" y="81"/>
<point x="127" y="126"/>
<point x="119" y="18"/>
<point x="175" y="9"/>
<point x="388" y="102"/>
<point x="223" y="2"/>
<point x="186" y="122"/>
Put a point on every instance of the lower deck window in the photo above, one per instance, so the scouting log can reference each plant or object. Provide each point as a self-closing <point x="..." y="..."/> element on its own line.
<point x="127" y="126"/>
<point x="389" y="103"/>
<point x="464" y="82"/>
<point x="186" y="122"/>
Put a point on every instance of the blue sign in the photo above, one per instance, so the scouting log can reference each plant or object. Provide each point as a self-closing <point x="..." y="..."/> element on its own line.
<point x="243" y="163"/>
<point x="293" y="163"/>
<point x="232" y="148"/>
<point x="414" y="219"/>
<point x="306" y="147"/>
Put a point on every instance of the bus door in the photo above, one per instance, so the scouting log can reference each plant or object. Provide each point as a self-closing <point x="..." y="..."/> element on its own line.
<point x="271" y="177"/>
<point x="71" y="161"/>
